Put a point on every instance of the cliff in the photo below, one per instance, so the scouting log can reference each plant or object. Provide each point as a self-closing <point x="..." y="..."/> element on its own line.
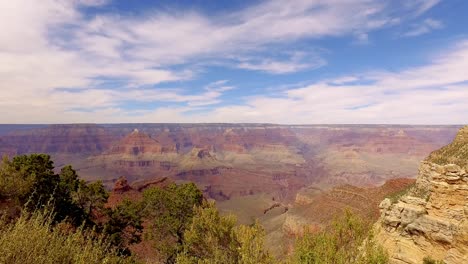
<point x="431" y="219"/>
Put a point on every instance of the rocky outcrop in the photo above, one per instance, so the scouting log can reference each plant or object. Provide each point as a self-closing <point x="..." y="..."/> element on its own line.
<point x="431" y="219"/>
<point x="134" y="192"/>
<point x="121" y="185"/>
<point x="136" y="143"/>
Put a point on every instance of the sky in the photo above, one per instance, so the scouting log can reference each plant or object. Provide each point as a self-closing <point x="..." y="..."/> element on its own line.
<point x="272" y="61"/>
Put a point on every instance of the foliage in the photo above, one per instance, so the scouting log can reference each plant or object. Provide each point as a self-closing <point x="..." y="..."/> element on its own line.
<point x="170" y="210"/>
<point x="429" y="260"/>
<point x="37" y="171"/>
<point x="347" y="240"/>
<point x="90" y="196"/>
<point x="34" y="239"/>
<point x="212" y="238"/>
<point x="251" y="240"/>
<point x="38" y="186"/>
<point x="30" y="181"/>
<point x="13" y="184"/>
<point x="124" y="225"/>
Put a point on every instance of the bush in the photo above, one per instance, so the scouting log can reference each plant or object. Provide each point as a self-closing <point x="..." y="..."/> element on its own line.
<point x="213" y="238"/>
<point x="34" y="239"/>
<point x="347" y="240"/>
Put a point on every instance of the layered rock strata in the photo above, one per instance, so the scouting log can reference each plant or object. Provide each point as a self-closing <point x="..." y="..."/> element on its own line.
<point x="431" y="220"/>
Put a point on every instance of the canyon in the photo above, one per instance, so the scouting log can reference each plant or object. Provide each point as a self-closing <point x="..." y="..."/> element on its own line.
<point x="287" y="177"/>
<point x="233" y="160"/>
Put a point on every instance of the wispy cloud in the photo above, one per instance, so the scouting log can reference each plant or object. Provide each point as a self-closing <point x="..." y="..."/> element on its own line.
<point x="106" y="59"/>
<point x="424" y="27"/>
<point x="433" y="93"/>
<point x="295" y="61"/>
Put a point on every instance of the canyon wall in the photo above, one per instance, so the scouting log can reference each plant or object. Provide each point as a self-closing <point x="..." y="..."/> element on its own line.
<point x="229" y="160"/>
<point x="431" y="219"/>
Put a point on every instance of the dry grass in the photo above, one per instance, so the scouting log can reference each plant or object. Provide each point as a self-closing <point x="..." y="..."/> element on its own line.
<point x="33" y="239"/>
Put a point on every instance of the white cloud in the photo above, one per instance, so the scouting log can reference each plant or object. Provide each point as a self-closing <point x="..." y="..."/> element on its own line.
<point x="424" y="27"/>
<point x="435" y="93"/>
<point x="297" y="61"/>
<point x="419" y="7"/>
<point x="49" y="45"/>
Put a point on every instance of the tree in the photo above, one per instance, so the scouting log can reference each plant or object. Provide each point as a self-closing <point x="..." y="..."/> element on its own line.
<point x="170" y="210"/>
<point x="90" y="197"/>
<point x="30" y="181"/>
<point x="13" y="184"/>
<point x="124" y="225"/>
<point x="41" y="187"/>
<point x="213" y="238"/>
<point x="40" y="169"/>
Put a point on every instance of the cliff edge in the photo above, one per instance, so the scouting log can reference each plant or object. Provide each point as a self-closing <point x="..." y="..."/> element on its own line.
<point x="431" y="219"/>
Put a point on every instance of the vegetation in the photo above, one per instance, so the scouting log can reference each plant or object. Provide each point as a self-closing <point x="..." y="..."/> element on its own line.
<point x="347" y="240"/>
<point x="455" y="152"/>
<point x="124" y="225"/>
<point x="28" y="183"/>
<point x="170" y="210"/>
<point x="429" y="260"/>
<point x="36" y="239"/>
<point x="212" y="238"/>
<point x="58" y="218"/>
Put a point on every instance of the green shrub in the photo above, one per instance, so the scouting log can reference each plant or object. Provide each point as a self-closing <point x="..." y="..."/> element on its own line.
<point x="34" y="239"/>
<point x="347" y="240"/>
<point x="215" y="239"/>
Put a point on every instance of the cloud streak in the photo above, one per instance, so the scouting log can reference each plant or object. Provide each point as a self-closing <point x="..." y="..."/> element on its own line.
<point x="56" y="59"/>
<point x="424" y="27"/>
<point x="435" y="93"/>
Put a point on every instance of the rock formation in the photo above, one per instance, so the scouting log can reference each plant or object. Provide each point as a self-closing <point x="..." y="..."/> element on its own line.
<point x="431" y="219"/>
<point x="121" y="185"/>
<point x="136" y="143"/>
<point x="123" y="190"/>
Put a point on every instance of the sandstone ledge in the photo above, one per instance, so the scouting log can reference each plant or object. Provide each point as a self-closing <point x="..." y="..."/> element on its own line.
<point x="431" y="220"/>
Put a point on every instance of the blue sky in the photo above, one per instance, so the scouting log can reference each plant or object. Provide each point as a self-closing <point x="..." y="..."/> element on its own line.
<point x="289" y="62"/>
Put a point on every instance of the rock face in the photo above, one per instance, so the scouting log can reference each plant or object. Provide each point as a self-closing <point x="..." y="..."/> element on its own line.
<point x="81" y="139"/>
<point x="121" y="185"/>
<point x="432" y="218"/>
<point x="135" y="144"/>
